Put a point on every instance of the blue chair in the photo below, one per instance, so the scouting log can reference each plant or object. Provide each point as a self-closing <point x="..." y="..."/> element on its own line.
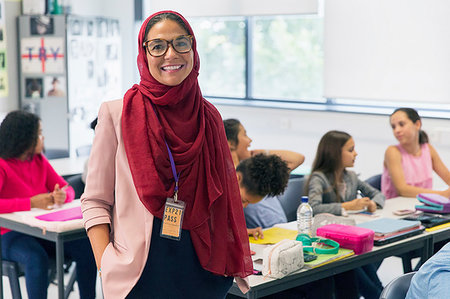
<point x="398" y="287"/>
<point x="292" y="197"/>
<point x="375" y="181"/>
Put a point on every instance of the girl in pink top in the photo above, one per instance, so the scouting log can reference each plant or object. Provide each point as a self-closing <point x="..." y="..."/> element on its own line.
<point x="27" y="180"/>
<point x="408" y="166"/>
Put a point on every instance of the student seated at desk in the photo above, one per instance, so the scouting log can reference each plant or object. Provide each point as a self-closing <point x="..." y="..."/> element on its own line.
<point x="333" y="189"/>
<point x="408" y="166"/>
<point x="27" y="180"/>
<point x="432" y="279"/>
<point x="259" y="176"/>
<point x="270" y="207"/>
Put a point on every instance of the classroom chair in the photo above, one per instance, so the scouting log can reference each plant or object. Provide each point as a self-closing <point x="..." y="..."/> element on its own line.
<point x="83" y="151"/>
<point x="14" y="271"/>
<point x="375" y="181"/>
<point x="77" y="184"/>
<point x="398" y="287"/>
<point x="291" y="198"/>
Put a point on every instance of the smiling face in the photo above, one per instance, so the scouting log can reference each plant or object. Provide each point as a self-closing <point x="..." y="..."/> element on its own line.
<point x="404" y="129"/>
<point x="171" y="68"/>
<point x="243" y="144"/>
<point x="349" y="154"/>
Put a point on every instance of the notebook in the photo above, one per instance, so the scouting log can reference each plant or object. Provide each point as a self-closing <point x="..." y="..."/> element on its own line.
<point x="397" y="236"/>
<point x="63" y="215"/>
<point x="429" y="220"/>
<point x="323" y="259"/>
<point x="385" y="226"/>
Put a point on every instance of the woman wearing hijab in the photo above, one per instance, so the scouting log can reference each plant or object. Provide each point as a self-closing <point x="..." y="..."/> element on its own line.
<point x="158" y="154"/>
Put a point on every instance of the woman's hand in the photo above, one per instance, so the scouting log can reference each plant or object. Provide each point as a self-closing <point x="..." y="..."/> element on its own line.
<point x="59" y="195"/>
<point x="42" y="201"/>
<point x="256" y="232"/>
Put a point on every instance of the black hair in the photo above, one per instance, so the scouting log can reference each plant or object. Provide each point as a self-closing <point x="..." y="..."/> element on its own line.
<point x="264" y="175"/>
<point x="414" y="117"/>
<point x="232" y="130"/>
<point x="165" y="16"/>
<point x="94" y="123"/>
<point x="19" y="133"/>
<point x="328" y="158"/>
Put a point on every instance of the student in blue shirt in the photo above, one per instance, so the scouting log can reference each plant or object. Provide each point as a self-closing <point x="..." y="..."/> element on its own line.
<point x="432" y="279"/>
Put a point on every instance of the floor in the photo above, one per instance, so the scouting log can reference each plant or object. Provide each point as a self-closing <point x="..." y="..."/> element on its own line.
<point x="389" y="269"/>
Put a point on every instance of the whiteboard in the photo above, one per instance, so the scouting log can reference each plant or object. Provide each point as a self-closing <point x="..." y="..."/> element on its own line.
<point x="387" y="50"/>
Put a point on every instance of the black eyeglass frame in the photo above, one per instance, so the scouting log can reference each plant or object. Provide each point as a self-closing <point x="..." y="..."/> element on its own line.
<point x="168" y="42"/>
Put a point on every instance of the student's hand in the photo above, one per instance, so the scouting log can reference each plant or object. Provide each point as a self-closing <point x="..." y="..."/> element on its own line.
<point x="256" y="232"/>
<point x="357" y="204"/>
<point x="372" y="207"/>
<point x="59" y="195"/>
<point x="42" y="201"/>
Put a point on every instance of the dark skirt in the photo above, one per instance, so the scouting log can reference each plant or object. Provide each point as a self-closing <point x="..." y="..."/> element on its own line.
<point x="174" y="271"/>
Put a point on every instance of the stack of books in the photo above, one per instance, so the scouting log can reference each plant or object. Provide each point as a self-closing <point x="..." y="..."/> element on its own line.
<point x="389" y="230"/>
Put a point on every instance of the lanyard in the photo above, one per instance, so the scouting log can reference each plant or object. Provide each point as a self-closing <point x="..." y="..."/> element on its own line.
<point x="174" y="171"/>
<point x="172" y="162"/>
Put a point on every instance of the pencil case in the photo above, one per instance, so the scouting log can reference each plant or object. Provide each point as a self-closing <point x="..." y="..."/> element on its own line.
<point x="358" y="239"/>
<point x="282" y="258"/>
<point x="433" y="203"/>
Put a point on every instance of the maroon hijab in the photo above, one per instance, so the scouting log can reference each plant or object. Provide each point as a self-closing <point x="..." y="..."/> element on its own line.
<point x="194" y="132"/>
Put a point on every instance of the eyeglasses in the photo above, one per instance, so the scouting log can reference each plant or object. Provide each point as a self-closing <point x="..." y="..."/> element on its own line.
<point x="158" y="47"/>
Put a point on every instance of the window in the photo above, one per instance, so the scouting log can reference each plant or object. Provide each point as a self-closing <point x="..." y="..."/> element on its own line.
<point x="221" y="46"/>
<point x="287" y="58"/>
<point x="284" y="60"/>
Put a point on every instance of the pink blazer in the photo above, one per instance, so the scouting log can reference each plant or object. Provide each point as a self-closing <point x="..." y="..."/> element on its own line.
<point x="110" y="197"/>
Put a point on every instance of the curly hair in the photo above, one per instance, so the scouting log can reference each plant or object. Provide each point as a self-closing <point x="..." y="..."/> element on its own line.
<point x="264" y="175"/>
<point x="18" y="133"/>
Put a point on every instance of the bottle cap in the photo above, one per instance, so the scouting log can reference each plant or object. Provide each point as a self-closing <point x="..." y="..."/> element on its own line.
<point x="304" y="198"/>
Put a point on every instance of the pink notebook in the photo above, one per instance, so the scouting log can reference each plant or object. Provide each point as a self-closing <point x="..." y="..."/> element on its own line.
<point x="63" y="215"/>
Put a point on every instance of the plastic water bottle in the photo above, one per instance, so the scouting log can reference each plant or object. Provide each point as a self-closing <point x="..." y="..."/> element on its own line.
<point x="304" y="217"/>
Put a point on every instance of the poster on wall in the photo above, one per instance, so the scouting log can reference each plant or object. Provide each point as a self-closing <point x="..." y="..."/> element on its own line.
<point x="54" y="86"/>
<point x="42" y="55"/>
<point x="3" y="64"/>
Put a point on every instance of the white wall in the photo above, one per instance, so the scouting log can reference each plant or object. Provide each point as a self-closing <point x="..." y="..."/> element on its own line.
<point x="301" y="131"/>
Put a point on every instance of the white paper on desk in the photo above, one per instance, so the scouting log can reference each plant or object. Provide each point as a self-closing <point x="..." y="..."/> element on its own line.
<point x="29" y="217"/>
<point x="257" y="258"/>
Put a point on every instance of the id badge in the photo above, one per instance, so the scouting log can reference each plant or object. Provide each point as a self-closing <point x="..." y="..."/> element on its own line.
<point x="172" y="219"/>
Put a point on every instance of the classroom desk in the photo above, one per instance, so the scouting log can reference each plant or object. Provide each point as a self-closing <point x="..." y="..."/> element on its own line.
<point x="72" y="231"/>
<point x="261" y="286"/>
<point x="68" y="166"/>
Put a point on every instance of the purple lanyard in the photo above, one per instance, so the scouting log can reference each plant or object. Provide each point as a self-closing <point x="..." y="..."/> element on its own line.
<point x="172" y="163"/>
<point x="174" y="171"/>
